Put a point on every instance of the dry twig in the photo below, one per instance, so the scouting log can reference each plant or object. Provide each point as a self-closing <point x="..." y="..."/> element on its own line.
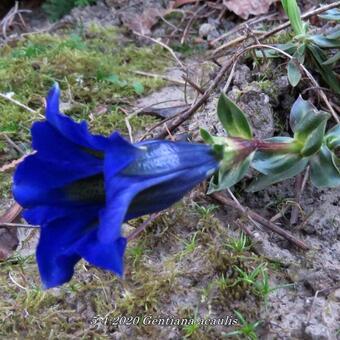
<point x="142" y="227"/>
<point x="263" y="221"/>
<point x="163" y="45"/>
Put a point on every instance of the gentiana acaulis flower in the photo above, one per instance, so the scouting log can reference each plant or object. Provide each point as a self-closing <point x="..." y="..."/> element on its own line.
<point x="81" y="187"/>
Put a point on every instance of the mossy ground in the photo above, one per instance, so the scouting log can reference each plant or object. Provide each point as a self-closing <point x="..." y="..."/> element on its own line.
<point x="183" y="265"/>
<point x="95" y="72"/>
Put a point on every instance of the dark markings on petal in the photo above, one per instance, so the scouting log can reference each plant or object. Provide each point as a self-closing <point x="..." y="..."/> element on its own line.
<point x="90" y="189"/>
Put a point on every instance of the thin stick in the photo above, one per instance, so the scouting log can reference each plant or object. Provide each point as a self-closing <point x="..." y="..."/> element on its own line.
<point x="142" y="227"/>
<point x="19" y="225"/>
<point x="193" y="84"/>
<point x="308" y="74"/>
<point x="230" y="78"/>
<point x="15" y="282"/>
<point x="160" y="76"/>
<point x="278" y="28"/>
<point x="16" y="102"/>
<point x="240" y="26"/>
<point x="301" y="184"/>
<point x="232" y="43"/>
<point x="13" y="144"/>
<point x="188" y="113"/>
<point x="243" y="209"/>
<point x="258" y="218"/>
<point x="186" y="30"/>
<point x="304" y="16"/>
<point x="14" y="163"/>
<point x="178" y="120"/>
<point x="163" y="45"/>
<point x="325" y="291"/>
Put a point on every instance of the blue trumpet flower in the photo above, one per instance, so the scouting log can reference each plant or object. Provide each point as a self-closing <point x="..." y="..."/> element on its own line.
<point x="80" y="188"/>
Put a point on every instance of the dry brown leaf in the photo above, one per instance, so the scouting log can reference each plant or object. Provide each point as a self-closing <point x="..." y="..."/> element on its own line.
<point x="179" y="3"/>
<point x="8" y="236"/>
<point x="142" y="23"/>
<point x="244" y="8"/>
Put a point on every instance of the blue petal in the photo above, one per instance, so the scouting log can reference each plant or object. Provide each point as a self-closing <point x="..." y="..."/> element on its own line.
<point x="163" y="195"/>
<point x="162" y="164"/>
<point x="44" y="214"/>
<point x="37" y="181"/>
<point x="162" y="157"/>
<point x="58" y="162"/>
<point x="120" y="192"/>
<point x="78" y="133"/>
<point x="51" y="144"/>
<point x="108" y="255"/>
<point x="54" y="254"/>
<point x="67" y="235"/>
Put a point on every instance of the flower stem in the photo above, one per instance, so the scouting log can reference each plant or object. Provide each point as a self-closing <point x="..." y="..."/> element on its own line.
<point x="247" y="146"/>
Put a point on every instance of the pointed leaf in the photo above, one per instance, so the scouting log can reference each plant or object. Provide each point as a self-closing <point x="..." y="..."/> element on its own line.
<point x="332" y="138"/>
<point x="232" y="176"/>
<point x="332" y="60"/>
<point x="293" y="12"/>
<point x="326" y="72"/>
<point x="294" y="74"/>
<point x="264" y="180"/>
<point x="299" y="54"/>
<point x="314" y="140"/>
<point x="323" y="171"/>
<point x="299" y="110"/>
<point x="290" y="48"/>
<point x="233" y="119"/>
<point x="329" y="41"/>
<point x="206" y="136"/>
<point x="331" y="14"/>
<point x="210" y="139"/>
<point x="269" y="163"/>
<point x="310" y="122"/>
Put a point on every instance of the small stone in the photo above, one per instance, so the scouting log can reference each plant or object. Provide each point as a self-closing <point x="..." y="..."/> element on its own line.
<point x="242" y="75"/>
<point x="208" y="31"/>
<point x="317" y="332"/>
<point x="336" y="295"/>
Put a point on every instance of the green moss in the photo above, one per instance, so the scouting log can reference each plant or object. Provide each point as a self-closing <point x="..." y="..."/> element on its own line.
<point x="95" y="69"/>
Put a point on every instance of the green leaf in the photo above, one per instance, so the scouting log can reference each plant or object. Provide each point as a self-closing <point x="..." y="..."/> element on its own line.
<point x="114" y="79"/>
<point x="331" y="14"/>
<point x="269" y="163"/>
<point x="310" y="127"/>
<point x="210" y="139"/>
<point x="336" y="162"/>
<point x="206" y="136"/>
<point x="138" y="87"/>
<point x="264" y="180"/>
<point x="229" y="178"/>
<point x="290" y="48"/>
<point x="299" y="54"/>
<point x="332" y="138"/>
<point x="294" y="74"/>
<point x="314" y="139"/>
<point x="325" y="41"/>
<point x="233" y="119"/>
<point x="293" y="12"/>
<point x="299" y="110"/>
<point x="326" y="72"/>
<point x="332" y="60"/>
<point x="324" y="173"/>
